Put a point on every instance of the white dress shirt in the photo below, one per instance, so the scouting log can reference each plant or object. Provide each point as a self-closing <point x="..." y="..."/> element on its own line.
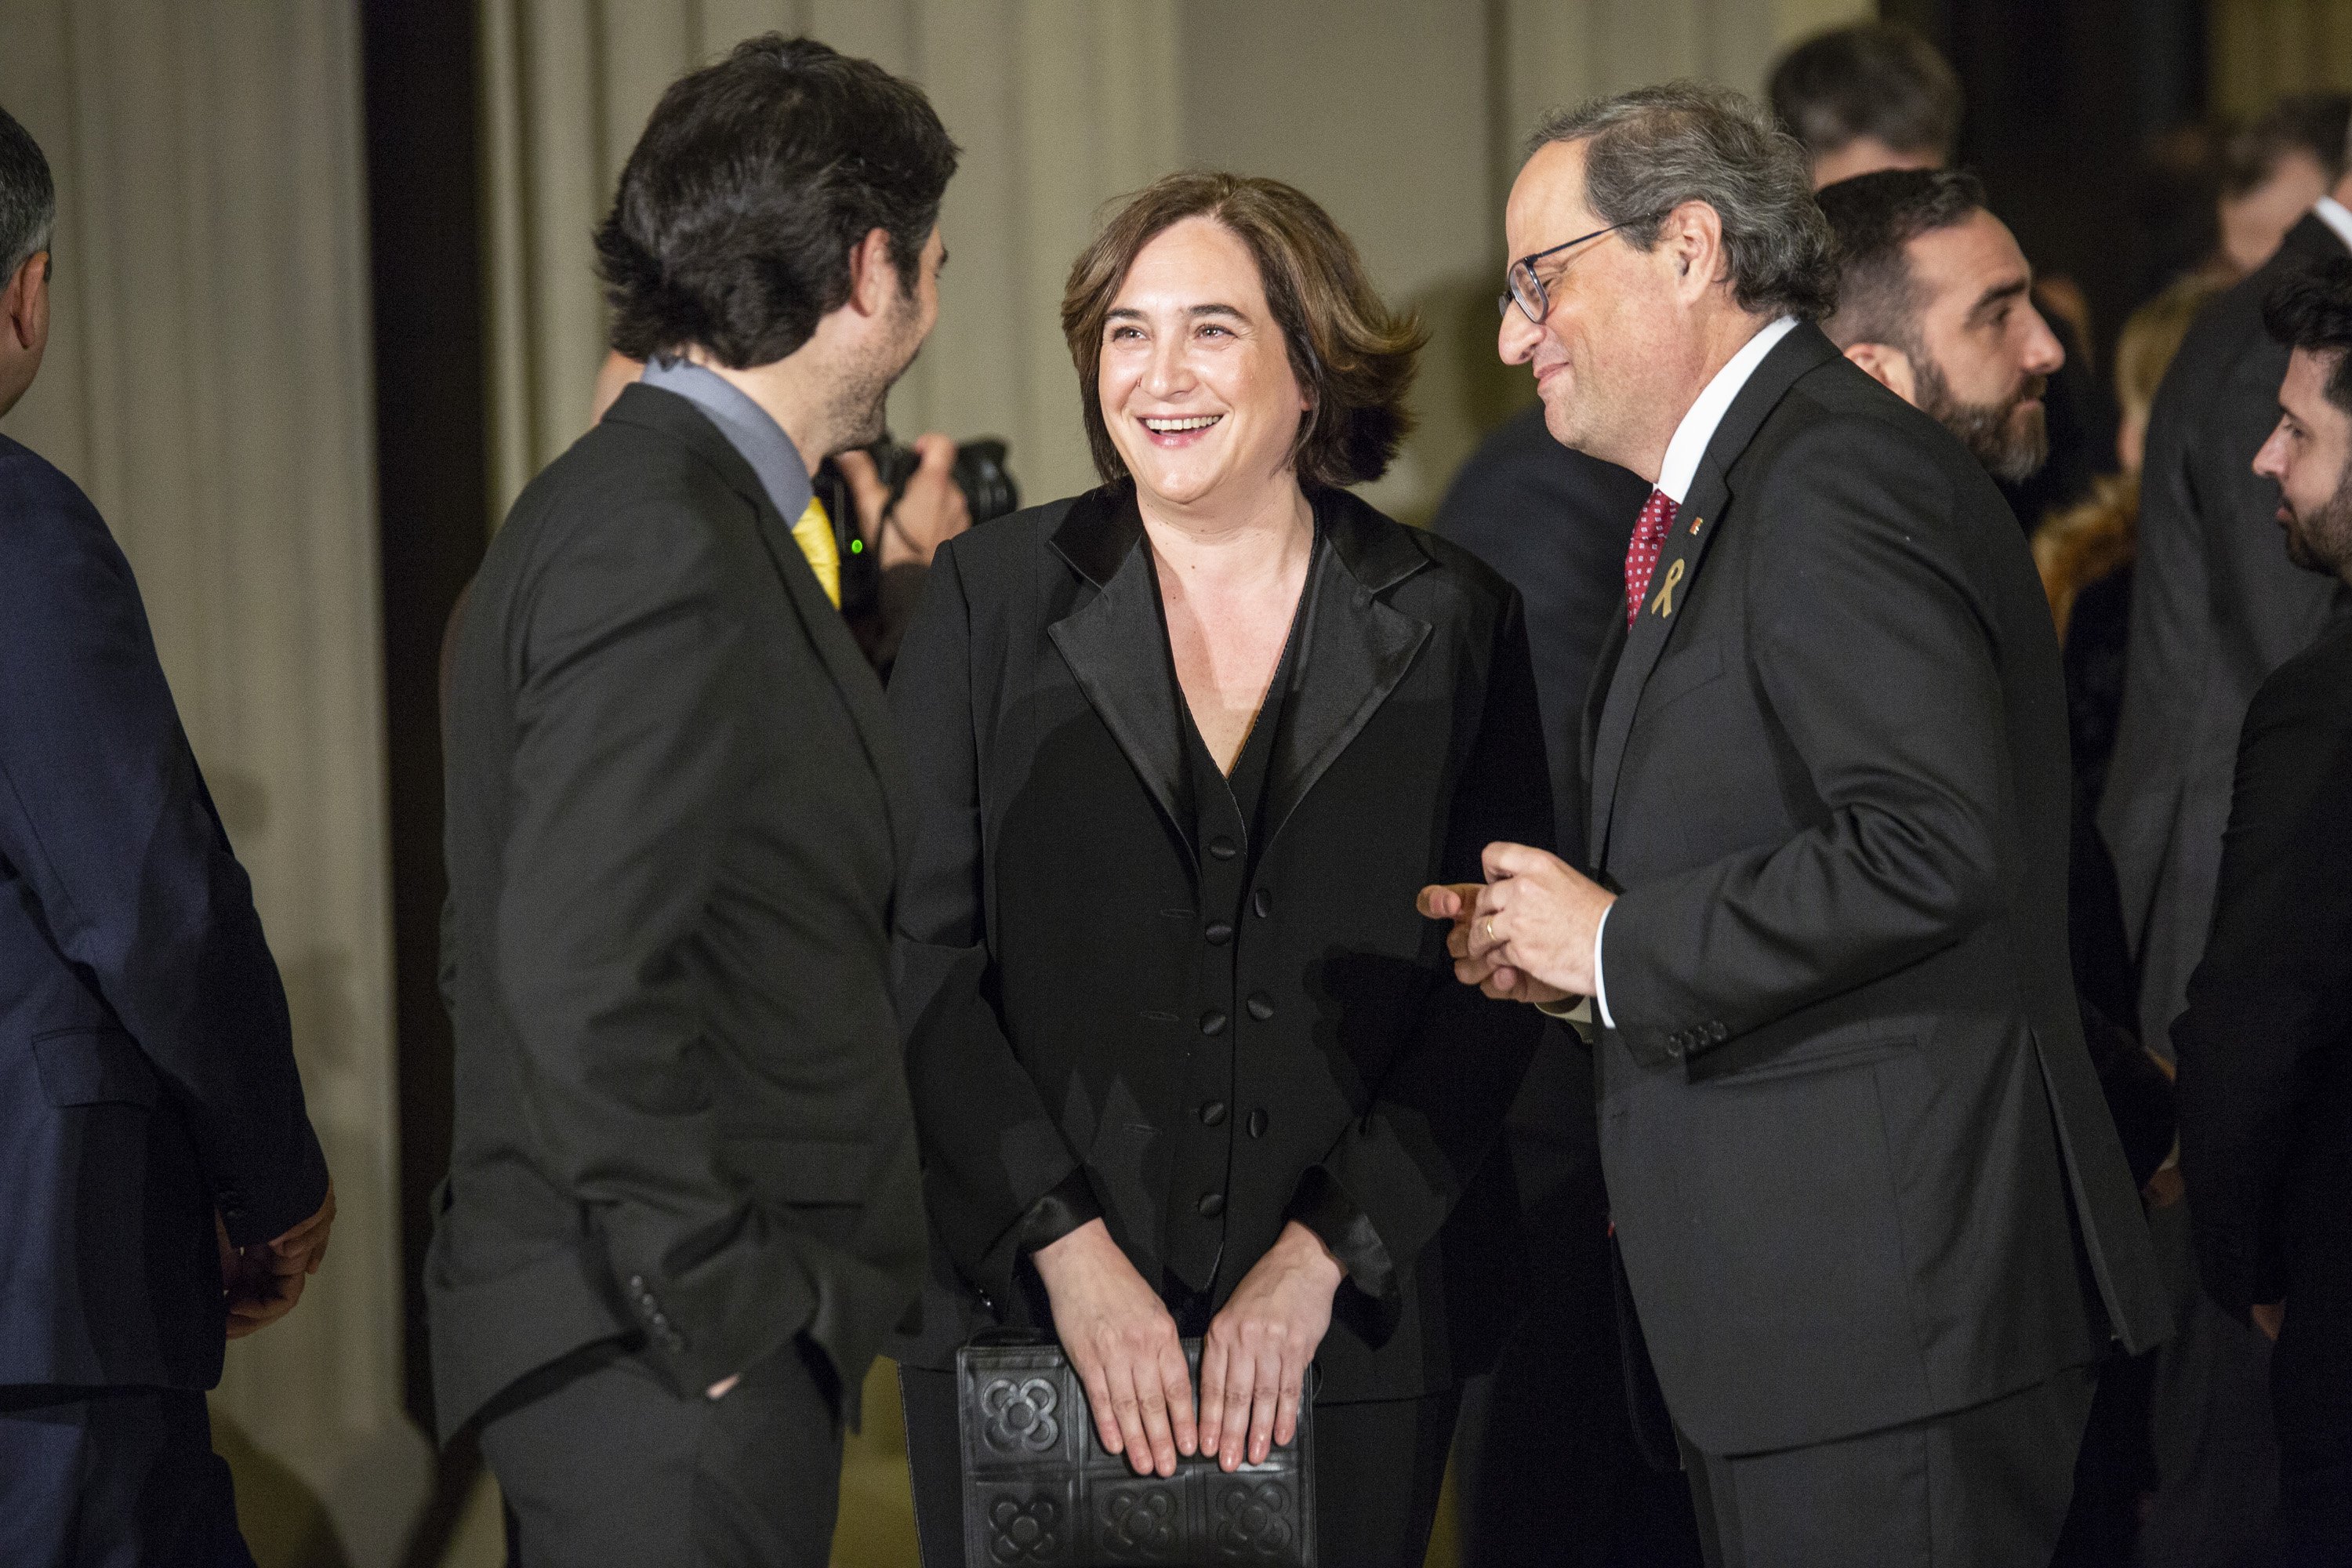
<point x="2336" y="215"/>
<point x="1675" y="477"/>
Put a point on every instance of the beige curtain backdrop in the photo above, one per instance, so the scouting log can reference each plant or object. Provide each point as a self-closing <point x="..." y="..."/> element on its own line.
<point x="1057" y="103"/>
<point x="207" y="383"/>
<point x="2259" y="48"/>
<point x="1402" y="116"/>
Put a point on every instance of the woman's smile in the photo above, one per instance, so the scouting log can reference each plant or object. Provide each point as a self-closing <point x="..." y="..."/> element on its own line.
<point x="1175" y="432"/>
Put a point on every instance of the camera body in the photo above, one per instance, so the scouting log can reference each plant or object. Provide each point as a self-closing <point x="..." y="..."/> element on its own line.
<point x="979" y="472"/>
<point x="988" y="486"/>
<point x="989" y="491"/>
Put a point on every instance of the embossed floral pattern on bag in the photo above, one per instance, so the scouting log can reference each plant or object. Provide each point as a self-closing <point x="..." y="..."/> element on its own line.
<point x="1041" y="1491"/>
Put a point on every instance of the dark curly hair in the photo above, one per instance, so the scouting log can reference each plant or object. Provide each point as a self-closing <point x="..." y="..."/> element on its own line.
<point x="2312" y="309"/>
<point x="1353" y="358"/>
<point x="754" y="180"/>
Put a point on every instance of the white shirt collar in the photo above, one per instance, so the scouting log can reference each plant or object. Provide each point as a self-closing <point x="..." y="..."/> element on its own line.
<point x="2332" y="212"/>
<point x="1697" y="427"/>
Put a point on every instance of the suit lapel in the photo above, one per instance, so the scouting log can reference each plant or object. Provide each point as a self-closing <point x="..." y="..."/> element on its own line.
<point x="1672" y="582"/>
<point x="861" y="692"/>
<point x="1116" y="644"/>
<point x="1355" y="647"/>
<point x="1353" y="651"/>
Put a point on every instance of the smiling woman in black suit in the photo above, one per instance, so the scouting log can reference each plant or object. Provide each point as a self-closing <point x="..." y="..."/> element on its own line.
<point x="1185" y="1059"/>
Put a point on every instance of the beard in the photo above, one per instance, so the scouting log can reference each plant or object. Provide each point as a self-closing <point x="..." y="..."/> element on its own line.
<point x="2321" y="541"/>
<point x="862" y="393"/>
<point x="2010" y="439"/>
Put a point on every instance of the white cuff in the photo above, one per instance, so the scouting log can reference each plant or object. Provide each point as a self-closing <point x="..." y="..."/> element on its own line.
<point x="1601" y="986"/>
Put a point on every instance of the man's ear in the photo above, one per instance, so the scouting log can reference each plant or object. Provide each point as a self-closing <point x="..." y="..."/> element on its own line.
<point x="1692" y="236"/>
<point x="16" y="305"/>
<point x="872" y="276"/>
<point x="1889" y="366"/>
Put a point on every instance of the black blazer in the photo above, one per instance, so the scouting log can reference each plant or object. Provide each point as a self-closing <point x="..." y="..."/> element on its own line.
<point x="2216" y="607"/>
<point x="1555" y="523"/>
<point x="1845" y="1109"/>
<point x="1057" y="929"/>
<point x="146" y="1064"/>
<point x="674" y="820"/>
<point x="2265" y="1047"/>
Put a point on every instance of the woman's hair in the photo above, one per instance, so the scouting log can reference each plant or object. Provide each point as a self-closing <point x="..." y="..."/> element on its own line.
<point x="1352" y="356"/>
<point x="2076" y="546"/>
<point x="2153" y="334"/>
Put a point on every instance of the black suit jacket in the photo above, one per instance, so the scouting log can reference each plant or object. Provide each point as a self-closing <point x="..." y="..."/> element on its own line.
<point x="1056" y="930"/>
<point x="146" y="1064"/>
<point x="1555" y="523"/>
<point x="2265" y="1046"/>
<point x="2216" y="607"/>
<point x="1845" y="1109"/>
<point x="676" y="816"/>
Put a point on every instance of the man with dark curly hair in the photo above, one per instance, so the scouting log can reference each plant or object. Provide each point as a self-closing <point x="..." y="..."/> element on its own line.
<point x="2265" y="1046"/>
<point x="682" y="1209"/>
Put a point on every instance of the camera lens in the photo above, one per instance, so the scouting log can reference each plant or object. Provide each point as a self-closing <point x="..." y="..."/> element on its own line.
<point x="987" y="484"/>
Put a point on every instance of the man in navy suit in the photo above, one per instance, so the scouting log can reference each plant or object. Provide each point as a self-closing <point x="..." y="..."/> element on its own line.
<point x="163" y="1190"/>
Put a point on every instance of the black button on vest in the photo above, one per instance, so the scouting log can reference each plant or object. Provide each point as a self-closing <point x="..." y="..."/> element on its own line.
<point x="1258" y="1123"/>
<point x="1228" y="823"/>
<point x="1263" y="903"/>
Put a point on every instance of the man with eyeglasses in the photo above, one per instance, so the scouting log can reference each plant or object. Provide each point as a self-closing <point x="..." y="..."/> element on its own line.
<point x="1872" y="1213"/>
<point x="1546" y="1458"/>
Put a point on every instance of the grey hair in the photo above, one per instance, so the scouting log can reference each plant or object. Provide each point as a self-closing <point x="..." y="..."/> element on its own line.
<point x="1649" y="151"/>
<point x="29" y="199"/>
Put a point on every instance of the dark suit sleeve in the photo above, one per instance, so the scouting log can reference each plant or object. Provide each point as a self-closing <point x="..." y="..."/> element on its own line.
<point x="635" y="692"/>
<point x="1879" y="669"/>
<point x="104" y="815"/>
<point x="1387" y="1186"/>
<point x="2168" y="649"/>
<point x="2272" y="986"/>
<point x="998" y="1177"/>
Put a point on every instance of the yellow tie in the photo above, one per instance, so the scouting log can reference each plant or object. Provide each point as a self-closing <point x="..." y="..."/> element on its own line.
<point x="813" y="534"/>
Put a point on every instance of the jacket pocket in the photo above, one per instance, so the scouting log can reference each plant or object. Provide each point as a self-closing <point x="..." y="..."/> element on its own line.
<point x="1682" y="672"/>
<point x="803" y="1172"/>
<point x="101" y="1065"/>
<point x="1808" y="1058"/>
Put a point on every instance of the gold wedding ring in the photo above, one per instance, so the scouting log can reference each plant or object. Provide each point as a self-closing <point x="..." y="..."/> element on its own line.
<point x="1490" y="930"/>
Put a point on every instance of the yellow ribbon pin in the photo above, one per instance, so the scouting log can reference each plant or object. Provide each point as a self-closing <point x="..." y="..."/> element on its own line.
<point x="1663" y="604"/>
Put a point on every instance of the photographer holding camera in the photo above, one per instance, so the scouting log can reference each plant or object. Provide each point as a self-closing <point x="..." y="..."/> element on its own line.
<point x="933" y="491"/>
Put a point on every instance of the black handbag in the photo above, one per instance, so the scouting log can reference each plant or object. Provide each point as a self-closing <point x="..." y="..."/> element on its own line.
<point x="1039" y="1488"/>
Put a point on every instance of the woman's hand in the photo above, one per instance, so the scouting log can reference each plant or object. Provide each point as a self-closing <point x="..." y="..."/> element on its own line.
<point x="1254" y="1363"/>
<point x="1119" y="1336"/>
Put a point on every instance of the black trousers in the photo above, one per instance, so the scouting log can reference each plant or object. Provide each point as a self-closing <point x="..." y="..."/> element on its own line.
<point x="2216" y="1454"/>
<point x="1547" y="1472"/>
<point x="608" y="1466"/>
<point x="1377" y="1469"/>
<point x="1981" y="1487"/>
<point x="113" y="1478"/>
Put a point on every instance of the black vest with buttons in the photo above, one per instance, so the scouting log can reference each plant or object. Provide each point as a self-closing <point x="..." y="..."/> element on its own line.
<point x="1229" y="830"/>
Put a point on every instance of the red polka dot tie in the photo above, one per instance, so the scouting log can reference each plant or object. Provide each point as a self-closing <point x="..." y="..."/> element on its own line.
<point x="1641" y="552"/>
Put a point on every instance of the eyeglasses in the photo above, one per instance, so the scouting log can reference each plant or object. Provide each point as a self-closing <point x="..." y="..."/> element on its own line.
<point x="1524" y="289"/>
